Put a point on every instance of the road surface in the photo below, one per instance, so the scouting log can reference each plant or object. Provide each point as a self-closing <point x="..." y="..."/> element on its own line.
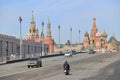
<point x="103" y="66"/>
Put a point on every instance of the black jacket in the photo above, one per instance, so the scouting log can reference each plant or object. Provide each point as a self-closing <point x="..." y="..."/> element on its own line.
<point x="66" y="66"/>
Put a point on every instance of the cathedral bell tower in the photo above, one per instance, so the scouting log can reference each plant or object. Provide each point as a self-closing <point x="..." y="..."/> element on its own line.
<point x="94" y="30"/>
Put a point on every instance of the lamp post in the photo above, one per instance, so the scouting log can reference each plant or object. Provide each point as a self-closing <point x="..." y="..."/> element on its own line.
<point x="79" y="36"/>
<point x="42" y="39"/>
<point x="71" y="37"/>
<point x="59" y="34"/>
<point x="20" y="20"/>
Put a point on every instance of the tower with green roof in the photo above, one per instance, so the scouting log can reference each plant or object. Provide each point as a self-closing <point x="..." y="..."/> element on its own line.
<point x="33" y="34"/>
<point x="48" y="39"/>
<point x="48" y="28"/>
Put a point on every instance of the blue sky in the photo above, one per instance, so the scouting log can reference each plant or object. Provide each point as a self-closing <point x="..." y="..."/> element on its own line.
<point x="77" y="14"/>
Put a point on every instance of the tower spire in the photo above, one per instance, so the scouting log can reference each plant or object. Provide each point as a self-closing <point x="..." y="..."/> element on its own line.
<point x="48" y="20"/>
<point x="32" y="20"/>
<point x="94" y="23"/>
<point x="48" y="28"/>
<point x="94" y="19"/>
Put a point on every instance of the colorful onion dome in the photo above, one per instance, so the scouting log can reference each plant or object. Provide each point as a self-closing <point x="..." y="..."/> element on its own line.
<point x="104" y="34"/>
<point x="91" y="39"/>
<point x="86" y="34"/>
<point x="98" y="34"/>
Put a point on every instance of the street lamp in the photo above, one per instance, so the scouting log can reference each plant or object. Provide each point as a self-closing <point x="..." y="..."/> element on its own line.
<point x="42" y="39"/>
<point x="20" y="20"/>
<point x="71" y="36"/>
<point x="79" y="36"/>
<point x="59" y="34"/>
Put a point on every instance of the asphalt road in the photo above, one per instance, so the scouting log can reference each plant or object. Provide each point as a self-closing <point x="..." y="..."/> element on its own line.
<point x="104" y="66"/>
<point x="110" y="72"/>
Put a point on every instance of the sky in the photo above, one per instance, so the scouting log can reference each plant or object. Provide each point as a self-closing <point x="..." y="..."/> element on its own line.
<point x="75" y="14"/>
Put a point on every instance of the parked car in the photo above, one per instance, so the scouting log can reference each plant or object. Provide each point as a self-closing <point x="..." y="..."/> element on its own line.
<point x="37" y="62"/>
<point x="68" y="53"/>
<point x="73" y="52"/>
<point x="92" y="51"/>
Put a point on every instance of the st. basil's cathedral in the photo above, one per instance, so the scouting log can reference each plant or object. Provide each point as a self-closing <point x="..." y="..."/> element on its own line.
<point x="33" y="34"/>
<point x="96" y="39"/>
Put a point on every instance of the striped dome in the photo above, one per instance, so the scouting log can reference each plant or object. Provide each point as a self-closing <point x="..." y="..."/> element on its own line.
<point x="86" y="34"/>
<point x="104" y="34"/>
<point x="91" y="39"/>
<point x="98" y="34"/>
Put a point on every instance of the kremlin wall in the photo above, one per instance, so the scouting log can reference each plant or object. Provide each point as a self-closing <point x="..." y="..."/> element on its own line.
<point x="34" y="43"/>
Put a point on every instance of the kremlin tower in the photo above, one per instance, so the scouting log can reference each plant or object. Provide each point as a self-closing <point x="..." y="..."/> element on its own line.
<point x="33" y="34"/>
<point x="48" y="39"/>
